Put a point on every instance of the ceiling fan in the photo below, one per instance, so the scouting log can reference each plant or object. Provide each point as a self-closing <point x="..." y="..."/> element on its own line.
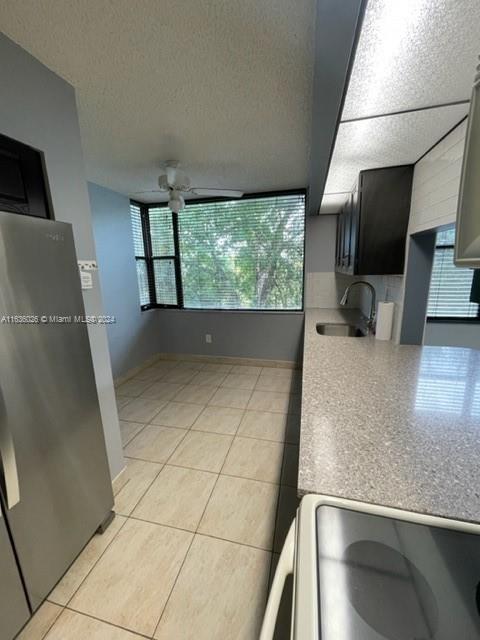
<point x="176" y="183"/>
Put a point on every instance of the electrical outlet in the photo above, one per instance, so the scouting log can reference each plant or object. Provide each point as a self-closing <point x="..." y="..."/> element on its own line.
<point x="208" y="338"/>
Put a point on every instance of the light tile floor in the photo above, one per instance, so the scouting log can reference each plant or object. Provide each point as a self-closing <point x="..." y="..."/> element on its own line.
<point x="202" y="510"/>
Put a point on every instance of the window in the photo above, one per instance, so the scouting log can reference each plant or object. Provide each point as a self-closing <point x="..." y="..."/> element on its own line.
<point x="156" y="252"/>
<point x="449" y="297"/>
<point x="139" y="250"/>
<point x="233" y="254"/>
<point x="164" y="256"/>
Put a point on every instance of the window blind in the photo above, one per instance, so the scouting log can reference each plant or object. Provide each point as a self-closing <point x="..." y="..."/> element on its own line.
<point x="163" y="255"/>
<point x="139" y="250"/>
<point x="450" y="286"/>
<point x="243" y="254"/>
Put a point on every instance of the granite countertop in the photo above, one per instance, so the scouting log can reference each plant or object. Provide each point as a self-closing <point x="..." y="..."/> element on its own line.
<point x="388" y="424"/>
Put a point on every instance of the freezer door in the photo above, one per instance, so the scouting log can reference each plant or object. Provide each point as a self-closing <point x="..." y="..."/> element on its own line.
<point x="56" y="483"/>
<point x="14" y="611"/>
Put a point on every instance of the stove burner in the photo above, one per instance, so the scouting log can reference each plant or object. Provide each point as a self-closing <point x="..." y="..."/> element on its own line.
<point x="389" y="592"/>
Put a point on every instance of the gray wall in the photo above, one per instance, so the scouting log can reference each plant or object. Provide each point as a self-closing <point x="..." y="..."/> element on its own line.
<point x="320" y="235"/>
<point x="38" y="108"/>
<point x="452" y="335"/>
<point x="420" y="252"/>
<point x="135" y="335"/>
<point x="273" y="336"/>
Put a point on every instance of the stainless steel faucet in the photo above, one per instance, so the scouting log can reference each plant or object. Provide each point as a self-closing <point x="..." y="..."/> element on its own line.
<point x="373" y="306"/>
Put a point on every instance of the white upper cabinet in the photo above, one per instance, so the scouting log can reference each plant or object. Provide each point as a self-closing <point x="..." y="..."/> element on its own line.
<point x="467" y="246"/>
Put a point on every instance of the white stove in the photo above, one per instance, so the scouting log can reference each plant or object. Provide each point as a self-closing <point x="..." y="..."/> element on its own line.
<point x="365" y="572"/>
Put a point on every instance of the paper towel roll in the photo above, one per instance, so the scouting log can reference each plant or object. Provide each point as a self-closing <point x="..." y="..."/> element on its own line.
<point x="384" y="320"/>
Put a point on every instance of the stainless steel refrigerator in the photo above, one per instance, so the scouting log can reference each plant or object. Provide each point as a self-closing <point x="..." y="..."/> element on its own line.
<point x="55" y="487"/>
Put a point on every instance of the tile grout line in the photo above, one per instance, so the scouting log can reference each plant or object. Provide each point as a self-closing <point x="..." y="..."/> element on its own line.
<point x="277" y="510"/>
<point x="278" y="500"/>
<point x="167" y="462"/>
<point x="233" y="436"/>
<point x="130" y="517"/>
<point x="140" y="380"/>
<point x="127" y="517"/>
<point x="195" y="533"/>
<point x="207" y="406"/>
<point x="162" y="377"/>
<point x="44" y="635"/>
<point x="173" y="585"/>
<point x="238" y="362"/>
<point x="133" y="437"/>
<point x="216" y="473"/>
<point x="93" y="566"/>
<point x="107" y="622"/>
<point x="291" y="392"/>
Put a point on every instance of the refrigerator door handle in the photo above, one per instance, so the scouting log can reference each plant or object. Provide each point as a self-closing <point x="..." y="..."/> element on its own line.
<point x="8" y="460"/>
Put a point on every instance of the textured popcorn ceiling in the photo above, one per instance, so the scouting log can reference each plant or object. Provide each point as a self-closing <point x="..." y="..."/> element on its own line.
<point x="223" y="86"/>
<point x="411" y="54"/>
<point x="383" y="142"/>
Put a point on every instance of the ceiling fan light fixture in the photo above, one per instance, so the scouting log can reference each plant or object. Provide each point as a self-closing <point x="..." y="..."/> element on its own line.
<point x="176" y="202"/>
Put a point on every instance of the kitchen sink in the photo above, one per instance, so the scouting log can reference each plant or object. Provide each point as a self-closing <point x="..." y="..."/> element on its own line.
<point x="340" y="330"/>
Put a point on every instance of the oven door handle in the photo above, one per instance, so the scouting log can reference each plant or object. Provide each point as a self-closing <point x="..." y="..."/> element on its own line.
<point x="284" y="569"/>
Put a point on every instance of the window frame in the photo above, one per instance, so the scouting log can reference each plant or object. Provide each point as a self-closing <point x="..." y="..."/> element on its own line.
<point x="452" y="319"/>
<point x="149" y="258"/>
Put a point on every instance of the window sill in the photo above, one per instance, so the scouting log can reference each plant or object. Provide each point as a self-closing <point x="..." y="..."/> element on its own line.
<point x="451" y="320"/>
<point x="231" y="311"/>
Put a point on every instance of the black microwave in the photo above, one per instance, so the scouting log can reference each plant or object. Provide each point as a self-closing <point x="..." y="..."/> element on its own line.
<point x="23" y="184"/>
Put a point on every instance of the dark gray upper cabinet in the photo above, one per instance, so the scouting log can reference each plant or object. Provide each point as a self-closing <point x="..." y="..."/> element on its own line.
<point x="372" y="225"/>
<point x="23" y="183"/>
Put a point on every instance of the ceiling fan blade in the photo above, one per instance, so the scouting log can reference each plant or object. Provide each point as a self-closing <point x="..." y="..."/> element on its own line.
<point x="149" y="191"/>
<point x="221" y="193"/>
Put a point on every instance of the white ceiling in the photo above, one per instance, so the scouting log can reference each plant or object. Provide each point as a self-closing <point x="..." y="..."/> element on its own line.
<point x="410" y="54"/>
<point x="413" y="53"/>
<point x="223" y="86"/>
<point x="389" y="141"/>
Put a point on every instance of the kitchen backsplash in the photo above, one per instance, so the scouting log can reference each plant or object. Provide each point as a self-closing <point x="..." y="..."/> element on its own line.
<point x="388" y="289"/>
<point x="324" y="291"/>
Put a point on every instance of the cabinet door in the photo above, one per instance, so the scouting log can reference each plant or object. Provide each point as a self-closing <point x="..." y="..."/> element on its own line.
<point x="345" y="237"/>
<point x="467" y="243"/>
<point x="348" y="236"/>
<point x="337" y="243"/>
<point x="343" y="260"/>
<point x="354" y="227"/>
<point x="340" y="239"/>
<point x="384" y="209"/>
